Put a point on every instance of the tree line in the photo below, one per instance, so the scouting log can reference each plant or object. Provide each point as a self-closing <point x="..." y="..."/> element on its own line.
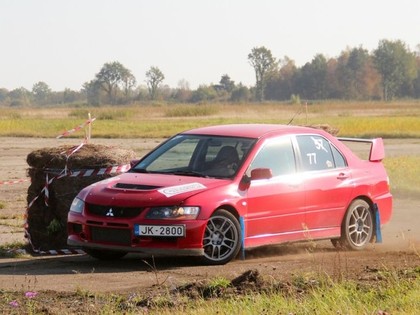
<point x="391" y="71"/>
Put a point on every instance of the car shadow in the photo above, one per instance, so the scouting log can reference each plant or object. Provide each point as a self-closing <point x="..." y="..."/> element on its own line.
<point x="84" y="264"/>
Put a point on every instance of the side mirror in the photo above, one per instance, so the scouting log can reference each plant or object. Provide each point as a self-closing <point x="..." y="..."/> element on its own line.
<point x="258" y="173"/>
<point x="261" y="173"/>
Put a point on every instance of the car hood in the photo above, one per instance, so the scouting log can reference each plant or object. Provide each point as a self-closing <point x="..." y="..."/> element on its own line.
<point x="134" y="189"/>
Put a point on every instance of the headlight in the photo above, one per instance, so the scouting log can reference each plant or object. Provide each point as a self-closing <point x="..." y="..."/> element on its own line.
<point x="173" y="213"/>
<point x="77" y="205"/>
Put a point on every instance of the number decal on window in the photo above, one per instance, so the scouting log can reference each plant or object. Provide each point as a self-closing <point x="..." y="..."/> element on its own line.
<point x="319" y="144"/>
<point x="312" y="158"/>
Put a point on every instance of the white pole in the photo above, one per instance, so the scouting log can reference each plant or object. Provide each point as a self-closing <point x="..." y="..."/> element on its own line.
<point x="89" y="129"/>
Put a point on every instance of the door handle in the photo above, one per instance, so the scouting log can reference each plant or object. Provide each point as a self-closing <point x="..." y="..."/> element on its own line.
<point x="343" y="176"/>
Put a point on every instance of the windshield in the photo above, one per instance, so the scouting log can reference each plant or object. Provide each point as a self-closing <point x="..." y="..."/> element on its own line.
<point x="197" y="155"/>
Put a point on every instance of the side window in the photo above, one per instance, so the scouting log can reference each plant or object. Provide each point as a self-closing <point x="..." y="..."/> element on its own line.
<point x="316" y="153"/>
<point x="338" y="158"/>
<point x="277" y="155"/>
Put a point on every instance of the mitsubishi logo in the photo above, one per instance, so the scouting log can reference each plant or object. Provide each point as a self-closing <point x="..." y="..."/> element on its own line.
<point x="110" y="213"/>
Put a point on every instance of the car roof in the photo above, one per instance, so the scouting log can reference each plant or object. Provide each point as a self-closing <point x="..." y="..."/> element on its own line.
<point x="250" y="130"/>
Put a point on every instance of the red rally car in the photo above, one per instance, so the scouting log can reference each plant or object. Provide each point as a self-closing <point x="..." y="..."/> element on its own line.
<point x="214" y="190"/>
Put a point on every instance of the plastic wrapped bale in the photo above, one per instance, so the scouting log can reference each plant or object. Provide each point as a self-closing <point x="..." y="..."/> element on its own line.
<point x="57" y="175"/>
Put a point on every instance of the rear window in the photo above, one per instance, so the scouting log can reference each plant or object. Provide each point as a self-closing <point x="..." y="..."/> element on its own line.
<point x="318" y="154"/>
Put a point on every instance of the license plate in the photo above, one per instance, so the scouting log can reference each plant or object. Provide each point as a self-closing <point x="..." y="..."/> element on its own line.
<point x="159" y="230"/>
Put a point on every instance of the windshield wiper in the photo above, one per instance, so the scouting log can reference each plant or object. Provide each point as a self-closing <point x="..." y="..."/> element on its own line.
<point x="187" y="173"/>
<point x="139" y="170"/>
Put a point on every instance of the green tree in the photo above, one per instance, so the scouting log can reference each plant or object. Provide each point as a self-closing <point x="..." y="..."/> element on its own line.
<point x="114" y="77"/>
<point x="19" y="97"/>
<point x="41" y="92"/>
<point x="240" y="94"/>
<point x="92" y="91"/>
<point x="70" y="96"/>
<point x="226" y="83"/>
<point x="3" y="95"/>
<point x="204" y="93"/>
<point x="416" y="83"/>
<point x="263" y="62"/>
<point x="396" y="65"/>
<point x="313" y="77"/>
<point x="154" y="78"/>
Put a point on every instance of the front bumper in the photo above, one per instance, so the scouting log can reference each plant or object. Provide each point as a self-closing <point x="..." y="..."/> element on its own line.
<point x="151" y="251"/>
<point x="119" y="235"/>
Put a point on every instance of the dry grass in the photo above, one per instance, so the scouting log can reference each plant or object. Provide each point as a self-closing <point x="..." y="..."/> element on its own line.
<point x="398" y="119"/>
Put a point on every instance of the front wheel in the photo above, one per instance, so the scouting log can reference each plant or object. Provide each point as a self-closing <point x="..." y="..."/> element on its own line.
<point x="222" y="238"/>
<point x="357" y="227"/>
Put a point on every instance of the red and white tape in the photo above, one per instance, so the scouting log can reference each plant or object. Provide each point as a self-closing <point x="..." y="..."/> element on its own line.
<point x="17" y="181"/>
<point x="61" y="252"/>
<point x="79" y="173"/>
<point x="51" y="252"/>
<point x="91" y="172"/>
<point x="68" y="132"/>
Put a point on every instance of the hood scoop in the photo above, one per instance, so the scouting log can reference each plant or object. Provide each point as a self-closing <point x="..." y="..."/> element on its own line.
<point x="136" y="186"/>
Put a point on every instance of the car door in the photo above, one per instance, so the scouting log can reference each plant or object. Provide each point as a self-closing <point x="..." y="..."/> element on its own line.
<point x="327" y="184"/>
<point x="275" y="205"/>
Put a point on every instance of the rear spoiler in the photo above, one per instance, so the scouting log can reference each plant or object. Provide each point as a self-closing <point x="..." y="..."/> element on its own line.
<point x="377" y="148"/>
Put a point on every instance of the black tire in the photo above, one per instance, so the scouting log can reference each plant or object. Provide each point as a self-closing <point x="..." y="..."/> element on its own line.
<point x="357" y="228"/>
<point x="222" y="238"/>
<point x="102" y="254"/>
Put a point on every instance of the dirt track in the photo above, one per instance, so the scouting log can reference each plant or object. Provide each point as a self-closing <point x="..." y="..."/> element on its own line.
<point x="401" y="240"/>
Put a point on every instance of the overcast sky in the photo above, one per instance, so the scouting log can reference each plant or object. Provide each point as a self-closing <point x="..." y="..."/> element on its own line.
<point x="65" y="43"/>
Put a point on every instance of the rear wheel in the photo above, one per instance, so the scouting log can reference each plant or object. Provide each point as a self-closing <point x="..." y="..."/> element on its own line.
<point x="357" y="227"/>
<point x="104" y="254"/>
<point x="222" y="238"/>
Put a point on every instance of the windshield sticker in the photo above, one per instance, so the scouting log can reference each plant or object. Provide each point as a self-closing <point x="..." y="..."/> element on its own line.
<point x="180" y="189"/>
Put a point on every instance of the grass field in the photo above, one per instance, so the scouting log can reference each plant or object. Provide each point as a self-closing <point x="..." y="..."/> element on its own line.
<point x="389" y="120"/>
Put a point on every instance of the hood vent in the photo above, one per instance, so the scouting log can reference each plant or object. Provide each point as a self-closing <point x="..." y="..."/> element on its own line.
<point x="136" y="186"/>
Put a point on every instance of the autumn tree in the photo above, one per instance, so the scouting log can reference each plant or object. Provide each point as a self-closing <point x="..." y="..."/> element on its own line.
<point x="263" y="62"/>
<point x="356" y="76"/>
<point x="280" y="85"/>
<point x="154" y="78"/>
<point x="183" y="92"/>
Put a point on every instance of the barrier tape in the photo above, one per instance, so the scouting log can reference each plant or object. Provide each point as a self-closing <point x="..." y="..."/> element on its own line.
<point x="91" y="172"/>
<point x="51" y="252"/>
<point x="17" y="181"/>
<point x="68" y="132"/>
<point x="77" y="173"/>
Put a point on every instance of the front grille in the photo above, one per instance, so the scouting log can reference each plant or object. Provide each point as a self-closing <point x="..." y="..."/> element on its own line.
<point x="114" y="212"/>
<point x="117" y="236"/>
